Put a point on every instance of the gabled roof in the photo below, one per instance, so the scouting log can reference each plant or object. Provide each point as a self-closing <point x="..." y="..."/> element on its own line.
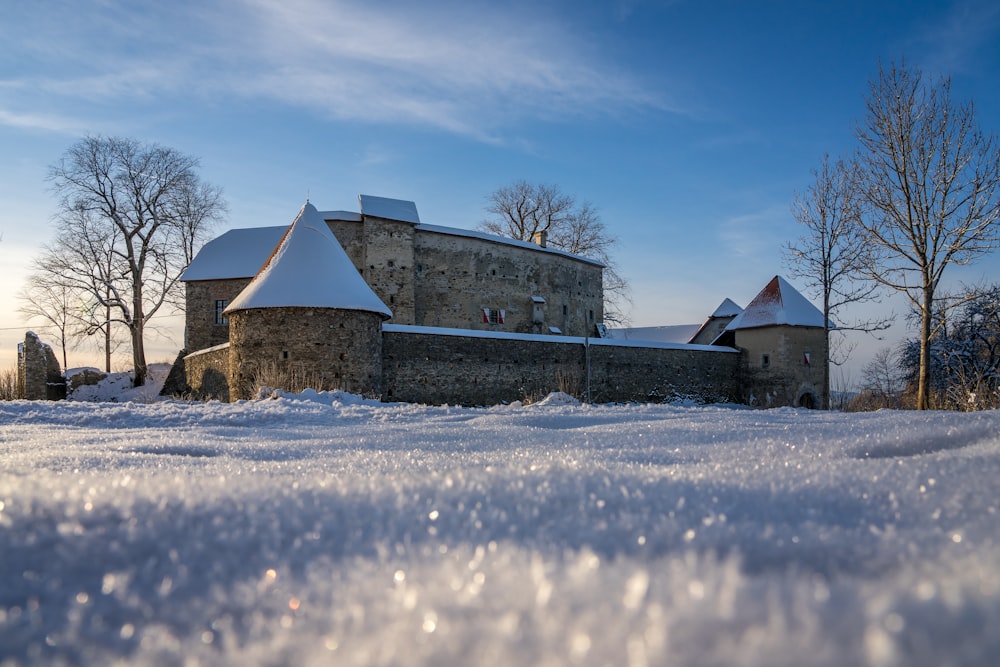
<point x="239" y="253"/>
<point x="728" y="308"/>
<point x="778" y="304"/>
<point x="309" y="268"/>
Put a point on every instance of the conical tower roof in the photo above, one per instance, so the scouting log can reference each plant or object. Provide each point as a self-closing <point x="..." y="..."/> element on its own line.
<point x="778" y="304"/>
<point x="309" y="268"/>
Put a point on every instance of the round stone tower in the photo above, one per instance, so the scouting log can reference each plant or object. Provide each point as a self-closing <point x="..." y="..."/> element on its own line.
<point x="307" y="319"/>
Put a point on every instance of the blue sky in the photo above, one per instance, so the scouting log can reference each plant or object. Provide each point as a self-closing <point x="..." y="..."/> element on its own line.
<point x="689" y="124"/>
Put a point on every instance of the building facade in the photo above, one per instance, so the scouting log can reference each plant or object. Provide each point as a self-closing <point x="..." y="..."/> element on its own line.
<point x="379" y="304"/>
<point x="426" y="275"/>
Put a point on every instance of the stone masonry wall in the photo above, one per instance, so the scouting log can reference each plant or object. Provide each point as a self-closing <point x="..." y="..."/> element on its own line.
<point x="423" y="366"/>
<point x="295" y="348"/>
<point x="776" y="372"/>
<point x="457" y="277"/>
<point x="207" y="373"/>
<point x="388" y="265"/>
<point x="200" y="328"/>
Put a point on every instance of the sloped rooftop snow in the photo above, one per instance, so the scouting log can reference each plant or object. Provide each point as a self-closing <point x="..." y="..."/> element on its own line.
<point x="675" y="333"/>
<point x="778" y="304"/>
<point x="239" y="253"/>
<point x="309" y="268"/>
<point x="390" y="209"/>
<point x="728" y="308"/>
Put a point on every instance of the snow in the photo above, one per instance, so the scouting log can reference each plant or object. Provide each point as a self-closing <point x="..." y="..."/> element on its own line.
<point x="389" y="209"/>
<point x="778" y="304"/>
<point x="117" y="387"/>
<point x="728" y="308"/>
<point x="611" y="341"/>
<point x="239" y="253"/>
<point x="323" y="528"/>
<point x="309" y="268"/>
<point x="671" y="333"/>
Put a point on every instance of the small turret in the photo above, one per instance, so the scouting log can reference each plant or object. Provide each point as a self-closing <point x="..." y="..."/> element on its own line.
<point x="783" y="337"/>
<point x="307" y="319"/>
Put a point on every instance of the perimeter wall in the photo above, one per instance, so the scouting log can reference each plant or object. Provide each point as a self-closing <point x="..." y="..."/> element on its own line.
<point x="462" y="367"/>
<point x="424" y="365"/>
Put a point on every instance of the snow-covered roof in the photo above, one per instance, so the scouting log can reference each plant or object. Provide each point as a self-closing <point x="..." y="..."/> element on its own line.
<point x="239" y="253"/>
<point x="546" y="338"/>
<point x="390" y="209"/>
<point x="728" y="308"/>
<point x="778" y="304"/>
<point x="676" y="333"/>
<point x="309" y="268"/>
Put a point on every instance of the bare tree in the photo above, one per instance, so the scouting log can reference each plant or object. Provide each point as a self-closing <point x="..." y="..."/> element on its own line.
<point x="931" y="178"/>
<point x="524" y="210"/>
<point x="83" y="260"/>
<point x="832" y="255"/>
<point x="53" y="304"/>
<point x="142" y="209"/>
<point x="883" y="376"/>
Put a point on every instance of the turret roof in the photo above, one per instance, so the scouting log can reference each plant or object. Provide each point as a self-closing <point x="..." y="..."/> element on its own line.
<point x="778" y="304"/>
<point x="309" y="268"/>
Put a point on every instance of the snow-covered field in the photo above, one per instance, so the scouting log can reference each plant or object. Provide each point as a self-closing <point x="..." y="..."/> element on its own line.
<point x="326" y="530"/>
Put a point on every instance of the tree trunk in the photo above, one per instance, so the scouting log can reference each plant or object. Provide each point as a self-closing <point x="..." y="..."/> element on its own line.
<point x="825" y="397"/>
<point x="138" y="356"/>
<point x="107" y="339"/>
<point x="924" y="373"/>
<point x="138" y="347"/>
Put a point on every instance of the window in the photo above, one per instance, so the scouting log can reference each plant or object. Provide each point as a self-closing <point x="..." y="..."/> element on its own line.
<point x="220" y="305"/>
<point x="765" y="360"/>
<point x="493" y="316"/>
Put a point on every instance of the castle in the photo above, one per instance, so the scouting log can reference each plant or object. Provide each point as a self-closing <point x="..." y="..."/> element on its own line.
<point x="379" y="303"/>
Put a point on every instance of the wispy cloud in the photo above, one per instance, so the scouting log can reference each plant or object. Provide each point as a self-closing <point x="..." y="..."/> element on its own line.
<point x="468" y="68"/>
<point x="42" y="121"/>
<point x="955" y="45"/>
<point x="755" y="234"/>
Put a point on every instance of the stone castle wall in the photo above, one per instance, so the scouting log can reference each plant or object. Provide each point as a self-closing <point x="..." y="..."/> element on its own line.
<point x="207" y="373"/>
<point x="458" y="276"/>
<point x="388" y="265"/>
<point x="294" y="348"/>
<point x="200" y="328"/>
<point x="424" y="366"/>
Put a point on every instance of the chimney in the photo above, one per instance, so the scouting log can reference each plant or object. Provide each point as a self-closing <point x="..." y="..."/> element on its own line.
<point x="541" y="238"/>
